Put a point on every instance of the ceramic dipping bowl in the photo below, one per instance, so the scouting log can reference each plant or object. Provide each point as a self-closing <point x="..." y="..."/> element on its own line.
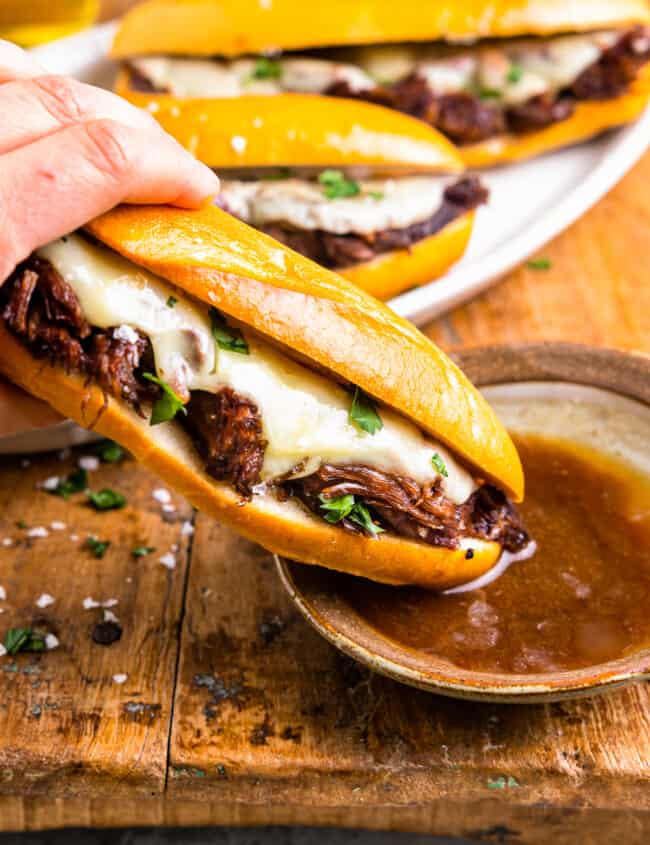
<point x="599" y="398"/>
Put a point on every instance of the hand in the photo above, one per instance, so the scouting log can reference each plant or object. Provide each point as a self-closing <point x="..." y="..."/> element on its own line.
<point x="69" y="152"/>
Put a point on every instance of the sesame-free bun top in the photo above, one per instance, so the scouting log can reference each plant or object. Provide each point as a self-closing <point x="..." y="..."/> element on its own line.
<point x="319" y="317"/>
<point x="237" y="27"/>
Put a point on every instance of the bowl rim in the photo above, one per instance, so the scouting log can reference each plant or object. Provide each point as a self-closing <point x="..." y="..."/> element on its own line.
<point x="625" y="373"/>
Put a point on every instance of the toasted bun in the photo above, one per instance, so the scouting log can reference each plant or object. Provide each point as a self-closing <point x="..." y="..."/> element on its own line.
<point x="320" y="316"/>
<point x="301" y="130"/>
<point x="590" y="118"/>
<point x="394" y="272"/>
<point x="226" y="28"/>
<point x="282" y="527"/>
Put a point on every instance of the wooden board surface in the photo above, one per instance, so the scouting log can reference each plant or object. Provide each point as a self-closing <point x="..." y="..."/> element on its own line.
<point x="234" y="711"/>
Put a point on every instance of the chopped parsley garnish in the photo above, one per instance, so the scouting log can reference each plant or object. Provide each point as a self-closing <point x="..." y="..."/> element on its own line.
<point x="361" y="515"/>
<point x="343" y="507"/>
<point x="76" y="482"/>
<point x="337" y="508"/>
<point x="276" y="174"/>
<point x="171" y="301"/>
<point x="439" y="465"/>
<point x="23" y="639"/>
<point x="142" y="551"/>
<point x="337" y="186"/>
<point x="489" y="94"/>
<point x="110" y="452"/>
<point x="97" y="547"/>
<point x="226" y="336"/>
<point x="363" y="413"/>
<point x="376" y="195"/>
<point x="515" y="73"/>
<point x="169" y="404"/>
<point x="21" y="524"/>
<point x="539" y="264"/>
<point x="266" y="68"/>
<point x="106" y="499"/>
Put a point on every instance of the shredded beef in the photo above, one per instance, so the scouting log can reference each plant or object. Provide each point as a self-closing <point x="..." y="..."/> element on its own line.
<point x="403" y="507"/>
<point x="539" y="112"/>
<point x="612" y="74"/>
<point x="378" y="95"/>
<point x="42" y="309"/>
<point x="337" y="251"/>
<point x="227" y="431"/>
<point x="466" y="118"/>
<point x="140" y="82"/>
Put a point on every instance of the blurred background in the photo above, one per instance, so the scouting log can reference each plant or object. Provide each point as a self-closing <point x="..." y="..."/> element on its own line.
<point x="31" y="22"/>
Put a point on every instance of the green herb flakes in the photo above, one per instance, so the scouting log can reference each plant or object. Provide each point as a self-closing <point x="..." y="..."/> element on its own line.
<point x="171" y="301"/>
<point x="106" y="499"/>
<point x="227" y="337"/>
<point x="361" y="515"/>
<point x="76" y="482"/>
<point x="364" y="414"/>
<point x="376" y="195"/>
<point x="439" y="465"/>
<point x="342" y="507"/>
<point x="142" y="551"/>
<point x="23" y="639"/>
<point x="515" y="73"/>
<point x="337" y="186"/>
<point x="97" y="547"/>
<point x="110" y="452"/>
<point x="266" y="68"/>
<point x="489" y="94"/>
<point x="539" y="264"/>
<point x="337" y="508"/>
<point x="168" y="405"/>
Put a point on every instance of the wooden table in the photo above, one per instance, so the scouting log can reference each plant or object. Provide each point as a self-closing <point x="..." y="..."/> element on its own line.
<point x="234" y="711"/>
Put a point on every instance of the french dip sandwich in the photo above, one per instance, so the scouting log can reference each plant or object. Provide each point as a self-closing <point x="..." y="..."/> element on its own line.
<point x="344" y="438"/>
<point x="504" y="80"/>
<point x="351" y="185"/>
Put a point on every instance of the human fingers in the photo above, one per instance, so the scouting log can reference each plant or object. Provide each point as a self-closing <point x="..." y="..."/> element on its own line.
<point x="21" y="412"/>
<point x="16" y="63"/>
<point x="59" y="182"/>
<point x="39" y="106"/>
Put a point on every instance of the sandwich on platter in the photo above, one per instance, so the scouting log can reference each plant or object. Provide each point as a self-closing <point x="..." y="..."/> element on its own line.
<point x="376" y="194"/>
<point x="504" y="80"/>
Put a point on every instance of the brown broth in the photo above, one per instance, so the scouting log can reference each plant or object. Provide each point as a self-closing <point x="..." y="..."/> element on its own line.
<point x="580" y="600"/>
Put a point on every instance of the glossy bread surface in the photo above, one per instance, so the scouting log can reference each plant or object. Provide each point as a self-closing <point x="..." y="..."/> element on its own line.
<point x="225" y="27"/>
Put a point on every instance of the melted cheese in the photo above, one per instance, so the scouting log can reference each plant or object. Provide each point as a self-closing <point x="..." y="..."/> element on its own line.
<point x="304" y="415"/>
<point x="543" y="66"/>
<point x="396" y="204"/>
<point x="214" y="78"/>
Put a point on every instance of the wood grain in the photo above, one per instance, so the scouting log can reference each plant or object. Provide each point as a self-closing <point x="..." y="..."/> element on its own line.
<point x="266" y="723"/>
<point x="66" y="726"/>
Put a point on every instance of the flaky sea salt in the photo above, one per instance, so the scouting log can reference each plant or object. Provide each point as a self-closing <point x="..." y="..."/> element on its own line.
<point x="38" y="531"/>
<point x="45" y="600"/>
<point x="89" y="462"/>
<point x="120" y="678"/>
<point x="168" y="560"/>
<point x="187" y="529"/>
<point x="161" y="495"/>
<point x="238" y="143"/>
<point x="57" y="526"/>
<point x="51" y="641"/>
